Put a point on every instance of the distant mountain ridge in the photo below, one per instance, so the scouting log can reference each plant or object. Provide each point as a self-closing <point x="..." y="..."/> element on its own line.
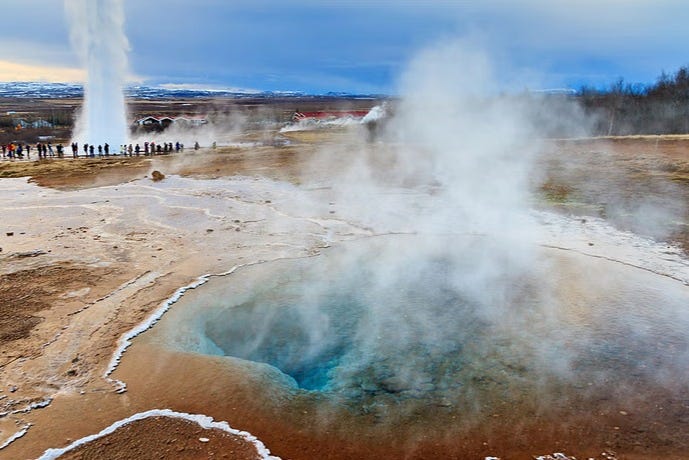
<point x="71" y="90"/>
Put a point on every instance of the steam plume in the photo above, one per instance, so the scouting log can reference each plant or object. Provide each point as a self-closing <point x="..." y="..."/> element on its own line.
<point x="97" y="33"/>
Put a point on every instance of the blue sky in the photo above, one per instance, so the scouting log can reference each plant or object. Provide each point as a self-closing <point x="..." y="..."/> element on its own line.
<point x="360" y="46"/>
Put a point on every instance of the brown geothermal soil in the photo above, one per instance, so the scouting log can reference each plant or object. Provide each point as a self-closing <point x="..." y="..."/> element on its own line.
<point x="165" y="437"/>
<point x="90" y="248"/>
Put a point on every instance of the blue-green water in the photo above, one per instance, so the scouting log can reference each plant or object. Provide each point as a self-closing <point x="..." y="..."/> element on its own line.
<point x="358" y="324"/>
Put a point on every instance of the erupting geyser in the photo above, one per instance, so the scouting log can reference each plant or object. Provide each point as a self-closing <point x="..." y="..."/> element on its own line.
<point x="97" y="33"/>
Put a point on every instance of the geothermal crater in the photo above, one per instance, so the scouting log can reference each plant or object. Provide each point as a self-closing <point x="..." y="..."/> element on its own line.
<point x="367" y="325"/>
<point x="325" y="330"/>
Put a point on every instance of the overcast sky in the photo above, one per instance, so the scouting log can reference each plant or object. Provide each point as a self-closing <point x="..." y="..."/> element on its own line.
<point x="359" y="46"/>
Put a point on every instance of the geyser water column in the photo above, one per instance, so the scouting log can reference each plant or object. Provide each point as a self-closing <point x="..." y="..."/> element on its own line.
<point x="97" y="33"/>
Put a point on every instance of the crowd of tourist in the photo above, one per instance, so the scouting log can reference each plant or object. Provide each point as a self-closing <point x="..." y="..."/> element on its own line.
<point x="45" y="150"/>
<point x="18" y="150"/>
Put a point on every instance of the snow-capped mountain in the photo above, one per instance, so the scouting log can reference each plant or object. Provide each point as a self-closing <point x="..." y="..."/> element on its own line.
<point x="70" y="90"/>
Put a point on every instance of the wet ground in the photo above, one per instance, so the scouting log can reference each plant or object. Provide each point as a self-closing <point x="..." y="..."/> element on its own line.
<point x="222" y="213"/>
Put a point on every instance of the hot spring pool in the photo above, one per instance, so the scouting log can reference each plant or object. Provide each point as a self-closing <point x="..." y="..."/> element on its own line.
<point x="365" y="324"/>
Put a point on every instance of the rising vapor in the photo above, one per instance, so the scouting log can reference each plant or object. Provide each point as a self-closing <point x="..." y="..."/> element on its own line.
<point x="97" y="34"/>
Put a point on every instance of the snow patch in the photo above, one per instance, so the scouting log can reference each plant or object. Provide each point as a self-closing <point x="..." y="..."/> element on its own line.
<point x="15" y="436"/>
<point x="32" y="406"/>
<point x="126" y="340"/>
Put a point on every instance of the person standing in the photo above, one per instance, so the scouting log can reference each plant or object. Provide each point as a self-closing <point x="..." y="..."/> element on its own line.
<point x="106" y="147"/>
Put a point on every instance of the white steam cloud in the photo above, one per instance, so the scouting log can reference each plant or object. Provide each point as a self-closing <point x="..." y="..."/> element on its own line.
<point x="456" y="169"/>
<point x="413" y="314"/>
<point x="457" y="176"/>
<point x="97" y="34"/>
<point x="477" y="147"/>
<point x="463" y="296"/>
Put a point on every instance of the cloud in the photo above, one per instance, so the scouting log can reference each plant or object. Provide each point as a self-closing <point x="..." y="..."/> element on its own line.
<point x="241" y="43"/>
<point x="364" y="45"/>
<point x="12" y="71"/>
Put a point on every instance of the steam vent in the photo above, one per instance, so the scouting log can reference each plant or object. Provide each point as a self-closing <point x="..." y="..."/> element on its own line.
<point x="364" y="338"/>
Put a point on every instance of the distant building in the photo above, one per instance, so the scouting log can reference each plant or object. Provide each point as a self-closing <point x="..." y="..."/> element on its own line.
<point x="193" y="120"/>
<point x="165" y="121"/>
<point x="20" y="123"/>
<point x="41" y="124"/>
<point x="154" y="122"/>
